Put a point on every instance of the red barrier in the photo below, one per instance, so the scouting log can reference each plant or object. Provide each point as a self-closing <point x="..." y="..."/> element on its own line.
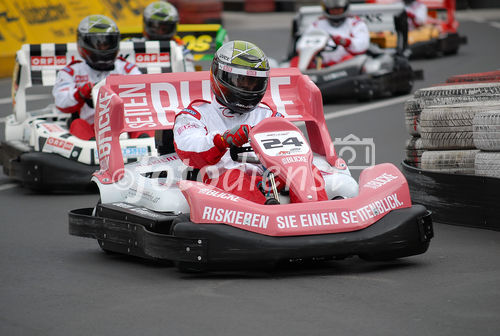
<point x="260" y="6"/>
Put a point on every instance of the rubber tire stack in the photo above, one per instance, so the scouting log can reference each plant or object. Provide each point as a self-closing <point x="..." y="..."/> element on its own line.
<point x="455" y="129"/>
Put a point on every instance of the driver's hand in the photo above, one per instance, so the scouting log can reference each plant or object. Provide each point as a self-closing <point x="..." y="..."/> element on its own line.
<point x="236" y="136"/>
<point x="343" y="41"/>
<point x="84" y="92"/>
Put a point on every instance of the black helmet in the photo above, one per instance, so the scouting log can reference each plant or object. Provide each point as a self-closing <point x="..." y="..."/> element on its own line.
<point x="98" y="41"/>
<point x="408" y="2"/>
<point x="336" y="11"/>
<point x="239" y="75"/>
<point x="160" y="21"/>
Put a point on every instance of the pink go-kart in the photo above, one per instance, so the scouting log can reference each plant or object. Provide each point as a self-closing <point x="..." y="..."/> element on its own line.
<point x="156" y="208"/>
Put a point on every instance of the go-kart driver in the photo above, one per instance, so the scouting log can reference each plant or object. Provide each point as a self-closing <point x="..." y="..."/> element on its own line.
<point x="350" y="34"/>
<point x="98" y="40"/>
<point x="416" y="12"/>
<point x="204" y="131"/>
<point x="160" y="20"/>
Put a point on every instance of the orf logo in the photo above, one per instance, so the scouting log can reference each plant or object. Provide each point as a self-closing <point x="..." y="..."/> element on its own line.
<point x="48" y="60"/>
<point x="146" y="58"/>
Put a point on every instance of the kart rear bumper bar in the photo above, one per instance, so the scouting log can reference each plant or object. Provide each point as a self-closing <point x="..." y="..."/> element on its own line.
<point x="401" y="233"/>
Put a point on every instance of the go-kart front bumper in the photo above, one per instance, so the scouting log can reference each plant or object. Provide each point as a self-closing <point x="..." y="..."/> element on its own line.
<point x="140" y="232"/>
<point x="45" y="171"/>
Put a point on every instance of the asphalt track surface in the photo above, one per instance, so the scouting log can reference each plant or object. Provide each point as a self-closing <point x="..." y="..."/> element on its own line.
<point x="55" y="284"/>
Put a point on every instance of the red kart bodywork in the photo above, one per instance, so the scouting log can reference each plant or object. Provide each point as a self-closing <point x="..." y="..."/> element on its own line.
<point x="150" y="102"/>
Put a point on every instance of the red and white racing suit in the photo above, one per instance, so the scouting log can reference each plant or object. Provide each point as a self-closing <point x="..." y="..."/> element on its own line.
<point x="417" y="14"/>
<point x="74" y="75"/>
<point x="353" y="29"/>
<point x="198" y="142"/>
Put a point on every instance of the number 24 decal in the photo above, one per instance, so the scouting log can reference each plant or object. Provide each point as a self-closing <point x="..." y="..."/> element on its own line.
<point x="277" y="143"/>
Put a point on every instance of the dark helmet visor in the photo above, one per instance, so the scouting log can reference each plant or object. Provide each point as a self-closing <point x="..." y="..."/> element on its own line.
<point x="244" y="83"/>
<point x="102" y="41"/>
<point x="158" y="30"/>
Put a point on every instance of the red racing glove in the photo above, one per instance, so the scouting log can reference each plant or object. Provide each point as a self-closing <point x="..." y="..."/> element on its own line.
<point x="410" y="15"/>
<point x="84" y="92"/>
<point x="236" y="136"/>
<point x="343" y="41"/>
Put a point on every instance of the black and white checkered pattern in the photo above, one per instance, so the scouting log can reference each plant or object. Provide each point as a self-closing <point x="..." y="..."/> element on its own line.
<point x="44" y="60"/>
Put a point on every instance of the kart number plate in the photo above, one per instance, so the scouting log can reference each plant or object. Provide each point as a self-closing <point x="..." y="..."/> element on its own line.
<point x="282" y="143"/>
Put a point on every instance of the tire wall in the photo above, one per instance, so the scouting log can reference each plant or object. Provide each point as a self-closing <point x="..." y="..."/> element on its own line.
<point x="455" y="128"/>
<point x="452" y="160"/>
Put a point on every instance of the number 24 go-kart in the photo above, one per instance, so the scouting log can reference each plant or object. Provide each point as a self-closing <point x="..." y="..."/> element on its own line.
<point x="154" y="209"/>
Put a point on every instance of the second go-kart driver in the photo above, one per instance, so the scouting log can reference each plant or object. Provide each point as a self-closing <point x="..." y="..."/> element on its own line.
<point x="205" y="130"/>
<point x="98" y="40"/>
<point x="160" y="21"/>
<point x="350" y="33"/>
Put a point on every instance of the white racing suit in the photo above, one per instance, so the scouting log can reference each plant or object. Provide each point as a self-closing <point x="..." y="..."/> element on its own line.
<point x="75" y="75"/>
<point x="198" y="142"/>
<point x="197" y="126"/>
<point x="417" y="15"/>
<point x="353" y="29"/>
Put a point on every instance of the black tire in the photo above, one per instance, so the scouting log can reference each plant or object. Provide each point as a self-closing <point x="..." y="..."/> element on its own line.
<point x="450" y="161"/>
<point x="403" y="81"/>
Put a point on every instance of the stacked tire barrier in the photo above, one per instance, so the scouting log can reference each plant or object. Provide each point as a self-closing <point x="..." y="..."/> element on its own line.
<point x="440" y="122"/>
<point x="452" y="158"/>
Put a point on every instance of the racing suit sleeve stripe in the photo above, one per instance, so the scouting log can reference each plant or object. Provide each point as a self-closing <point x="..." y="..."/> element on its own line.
<point x="200" y="159"/>
<point x="64" y="93"/>
<point x="70" y="109"/>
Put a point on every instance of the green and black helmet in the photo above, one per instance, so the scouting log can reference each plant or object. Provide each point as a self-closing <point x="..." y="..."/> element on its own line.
<point x="160" y="21"/>
<point x="239" y="75"/>
<point x="98" y="41"/>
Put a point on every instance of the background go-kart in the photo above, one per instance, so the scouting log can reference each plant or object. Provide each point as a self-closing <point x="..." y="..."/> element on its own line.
<point x="55" y="284"/>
